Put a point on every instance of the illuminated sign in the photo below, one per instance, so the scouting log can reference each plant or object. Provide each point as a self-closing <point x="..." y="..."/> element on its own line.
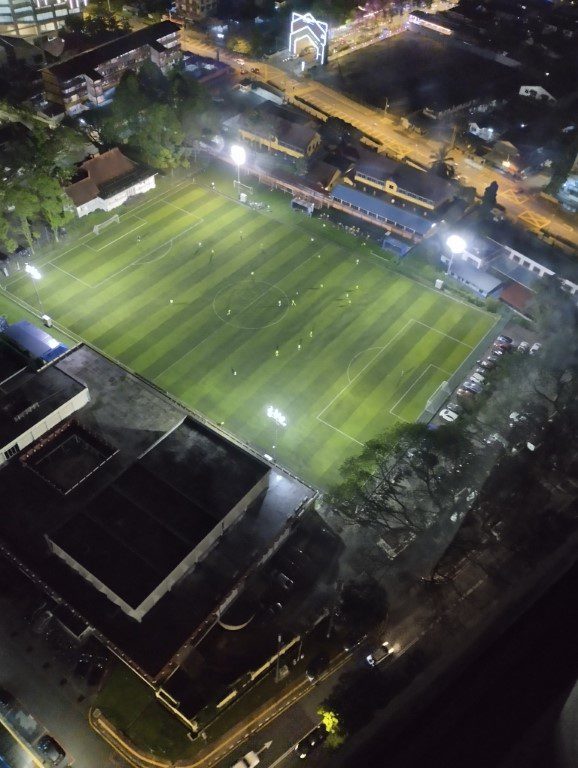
<point x="306" y="31"/>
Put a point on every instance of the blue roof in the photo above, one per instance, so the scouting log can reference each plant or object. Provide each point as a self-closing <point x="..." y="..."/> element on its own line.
<point x="516" y="272"/>
<point x="475" y="278"/>
<point x="375" y="206"/>
<point x="35" y="341"/>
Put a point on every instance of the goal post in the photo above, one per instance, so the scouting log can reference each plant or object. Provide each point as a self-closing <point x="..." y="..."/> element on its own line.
<point x="240" y="187"/>
<point x="97" y="229"/>
<point x="437" y="398"/>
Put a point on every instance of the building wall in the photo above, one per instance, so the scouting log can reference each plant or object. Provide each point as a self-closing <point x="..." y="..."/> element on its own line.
<point x="45" y="425"/>
<point x="386" y="185"/>
<point x="196" y="9"/>
<point x="34" y="18"/>
<point x="98" y="204"/>
<point x="83" y="92"/>
<point x="272" y="143"/>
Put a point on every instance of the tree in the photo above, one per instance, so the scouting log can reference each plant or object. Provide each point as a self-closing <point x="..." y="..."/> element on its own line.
<point x="330" y="721"/>
<point x="26" y="210"/>
<point x="490" y="196"/>
<point x="363" y="604"/>
<point x="443" y="162"/>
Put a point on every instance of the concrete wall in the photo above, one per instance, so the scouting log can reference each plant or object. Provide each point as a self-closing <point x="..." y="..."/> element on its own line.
<point x="46" y="424"/>
<point x="98" y="204"/>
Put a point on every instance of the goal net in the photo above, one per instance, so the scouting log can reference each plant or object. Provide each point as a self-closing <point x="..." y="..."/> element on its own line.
<point x="240" y="187"/>
<point x="97" y="229"/>
<point x="438" y="397"/>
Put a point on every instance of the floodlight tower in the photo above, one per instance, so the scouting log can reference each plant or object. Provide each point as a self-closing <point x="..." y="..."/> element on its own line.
<point x="34" y="276"/>
<point x="239" y="156"/>
<point x="278" y="418"/>
<point x="456" y="245"/>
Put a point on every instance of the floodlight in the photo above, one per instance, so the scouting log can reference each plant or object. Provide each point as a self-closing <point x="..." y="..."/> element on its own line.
<point x="32" y="271"/>
<point x="238" y="154"/>
<point x="456" y="244"/>
<point x="278" y="417"/>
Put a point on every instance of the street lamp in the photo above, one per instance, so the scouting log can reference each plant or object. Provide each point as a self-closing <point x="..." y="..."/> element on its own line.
<point x="34" y="276"/>
<point x="456" y="245"/>
<point x="279" y="419"/>
<point x="239" y="156"/>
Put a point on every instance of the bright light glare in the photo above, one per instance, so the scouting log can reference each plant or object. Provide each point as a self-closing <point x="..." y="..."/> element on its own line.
<point x="275" y="414"/>
<point x="238" y="154"/>
<point x="456" y="244"/>
<point x="32" y="271"/>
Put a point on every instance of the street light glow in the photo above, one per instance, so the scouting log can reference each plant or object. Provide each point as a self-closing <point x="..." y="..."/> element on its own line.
<point x="278" y="417"/>
<point x="238" y="155"/>
<point x="456" y="244"/>
<point x="32" y="271"/>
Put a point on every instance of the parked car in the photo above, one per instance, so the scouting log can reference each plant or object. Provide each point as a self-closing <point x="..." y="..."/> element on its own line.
<point x="448" y="415"/>
<point x="474" y="385"/>
<point x="496" y="439"/>
<point x="380" y="654"/>
<point x="486" y="365"/>
<point x="455" y="407"/>
<point x="282" y="580"/>
<point x="501" y="339"/>
<point x="51" y="749"/>
<point x="250" y="760"/>
<point x="478" y="377"/>
<point x="498" y="351"/>
<point x="310" y="742"/>
<point x="464" y="393"/>
<point x="535" y="348"/>
<point x="317" y="665"/>
<point x="517" y="418"/>
<point x="523" y="347"/>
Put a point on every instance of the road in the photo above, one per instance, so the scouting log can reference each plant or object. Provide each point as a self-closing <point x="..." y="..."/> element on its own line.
<point x="522" y="204"/>
<point x="54" y="706"/>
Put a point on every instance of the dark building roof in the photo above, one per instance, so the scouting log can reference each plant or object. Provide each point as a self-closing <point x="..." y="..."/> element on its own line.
<point x="426" y="185"/>
<point x="478" y="279"/>
<point x="378" y="208"/>
<point x="289" y="127"/>
<point x="31" y="397"/>
<point x="104" y="176"/>
<point x="87" y="62"/>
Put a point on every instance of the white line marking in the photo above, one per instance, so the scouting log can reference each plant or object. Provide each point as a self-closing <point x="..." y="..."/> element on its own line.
<point x="341" y="432"/>
<point x="442" y="333"/>
<point x="411" y="386"/>
<point x="87" y="285"/>
<point x="373" y="359"/>
<point x="120" y="237"/>
<point x="212" y="333"/>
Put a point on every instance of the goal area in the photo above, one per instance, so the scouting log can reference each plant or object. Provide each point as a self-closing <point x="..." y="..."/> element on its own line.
<point x="97" y="229"/>
<point x="438" y="397"/>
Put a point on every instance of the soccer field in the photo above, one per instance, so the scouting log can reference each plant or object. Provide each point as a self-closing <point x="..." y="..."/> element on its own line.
<point x="232" y="310"/>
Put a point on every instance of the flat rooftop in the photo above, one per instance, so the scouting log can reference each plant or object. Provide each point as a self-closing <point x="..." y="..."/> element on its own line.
<point x="87" y="62"/>
<point x="30" y="397"/>
<point x="170" y="480"/>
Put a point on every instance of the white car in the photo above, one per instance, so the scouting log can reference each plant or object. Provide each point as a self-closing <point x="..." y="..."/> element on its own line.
<point x="478" y="377"/>
<point x="250" y="760"/>
<point x="535" y="348"/>
<point x="448" y="415"/>
<point x="523" y="347"/>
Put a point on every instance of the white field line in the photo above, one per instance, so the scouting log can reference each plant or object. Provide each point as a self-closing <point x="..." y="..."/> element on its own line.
<point x="365" y="367"/>
<point x="408" y="390"/>
<point x="341" y="432"/>
<point x="442" y="333"/>
<point x="69" y="274"/>
<point x="219" y="327"/>
<point x="120" y="237"/>
<point x="151" y="201"/>
<point x="143" y="260"/>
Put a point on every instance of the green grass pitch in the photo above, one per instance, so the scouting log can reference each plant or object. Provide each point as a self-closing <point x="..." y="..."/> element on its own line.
<point x="232" y="310"/>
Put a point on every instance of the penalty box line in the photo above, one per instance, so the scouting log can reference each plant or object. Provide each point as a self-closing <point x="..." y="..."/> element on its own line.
<point x="411" y="386"/>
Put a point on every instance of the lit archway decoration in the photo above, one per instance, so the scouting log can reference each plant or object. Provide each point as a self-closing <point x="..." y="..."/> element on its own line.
<point x="304" y="27"/>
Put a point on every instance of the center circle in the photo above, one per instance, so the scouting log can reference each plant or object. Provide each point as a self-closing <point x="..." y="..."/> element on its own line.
<point x="251" y="304"/>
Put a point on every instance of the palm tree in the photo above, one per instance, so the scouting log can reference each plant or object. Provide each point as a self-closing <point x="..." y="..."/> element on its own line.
<point x="443" y="162"/>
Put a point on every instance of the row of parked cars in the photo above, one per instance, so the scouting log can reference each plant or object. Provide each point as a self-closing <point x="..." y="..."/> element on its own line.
<point x="479" y="378"/>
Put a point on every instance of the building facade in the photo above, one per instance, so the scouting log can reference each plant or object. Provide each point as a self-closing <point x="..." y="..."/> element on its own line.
<point x="89" y="79"/>
<point x="193" y="10"/>
<point x="108" y="180"/>
<point x="34" y="18"/>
